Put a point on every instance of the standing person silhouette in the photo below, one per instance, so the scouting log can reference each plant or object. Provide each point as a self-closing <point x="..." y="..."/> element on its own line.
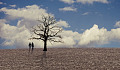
<point x="32" y="46"/>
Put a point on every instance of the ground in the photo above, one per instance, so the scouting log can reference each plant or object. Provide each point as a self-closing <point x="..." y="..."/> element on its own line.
<point x="61" y="59"/>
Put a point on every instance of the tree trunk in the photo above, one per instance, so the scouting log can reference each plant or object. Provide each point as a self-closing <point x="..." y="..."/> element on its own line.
<point x="45" y="45"/>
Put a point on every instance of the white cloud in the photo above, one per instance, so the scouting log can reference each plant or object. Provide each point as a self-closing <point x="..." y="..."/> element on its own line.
<point x="96" y="36"/>
<point x="86" y="13"/>
<point x="3" y="21"/>
<point x="114" y="34"/>
<point x="70" y="39"/>
<point x="91" y="1"/>
<point x="18" y="36"/>
<point x="68" y="9"/>
<point x="12" y="33"/>
<point x="62" y="23"/>
<point x="117" y="24"/>
<point x="27" y="23"/>
<point x="12" y="6"/>
<point x="32" y="12"/>
<point x="73" y="35"/>
<point x="68" y="1"/>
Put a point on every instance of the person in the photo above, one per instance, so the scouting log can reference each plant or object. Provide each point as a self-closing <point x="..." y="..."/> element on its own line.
<point x="29" y="46"/>
<point x="32" y="46"/>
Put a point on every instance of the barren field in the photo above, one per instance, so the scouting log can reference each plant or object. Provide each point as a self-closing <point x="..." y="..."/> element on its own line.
<point x="61" y="59"/>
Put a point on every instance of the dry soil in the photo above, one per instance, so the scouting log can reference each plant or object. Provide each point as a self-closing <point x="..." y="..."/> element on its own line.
<point x="61" y="59"/>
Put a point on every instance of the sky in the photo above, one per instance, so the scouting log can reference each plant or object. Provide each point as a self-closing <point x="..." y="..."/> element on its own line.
<point x="86" y="23"/>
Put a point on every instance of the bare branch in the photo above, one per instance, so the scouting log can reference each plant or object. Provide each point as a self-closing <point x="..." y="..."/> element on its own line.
<point x="36" y="32"/>
<point x="56" y="41"/>
<point x="36" y="38"/>
<point x="54" y="35"/>
<point x="55" y="27"/>
<point x="41" y="28"/>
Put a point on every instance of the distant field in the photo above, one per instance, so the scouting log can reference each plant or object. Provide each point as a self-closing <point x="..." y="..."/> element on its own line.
<point x="61" y="59"/>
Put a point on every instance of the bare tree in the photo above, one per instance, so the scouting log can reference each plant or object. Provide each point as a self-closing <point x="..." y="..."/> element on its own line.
<point x="47" y="30"/>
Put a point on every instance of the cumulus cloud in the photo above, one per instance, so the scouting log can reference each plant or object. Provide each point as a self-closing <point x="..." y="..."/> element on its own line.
<point x="96" y="36"/>
<point x="2" y="21"/>
<point x="27" y="23"/>
<point x="62" y="23"/>
<point x="18" y="36"/>
<point x="68" y="1"/>
<point x="68" y="9"/>
<point x="13" y="34"/>
<point x="114" y="34"/>
<point x="117" y="24"/>
<point x="70" y="39"/>
<point x="91" y="1"/>
<point x="29" y="12"/>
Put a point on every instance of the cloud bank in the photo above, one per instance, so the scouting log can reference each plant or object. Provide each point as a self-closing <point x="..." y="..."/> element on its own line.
<point x="29" y="12"/>
<point x="96" y="36"/>
<point x="18" y="35"/>
<point x="27" y="17"/>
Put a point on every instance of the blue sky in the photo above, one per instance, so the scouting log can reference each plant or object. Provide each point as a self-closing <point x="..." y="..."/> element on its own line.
<point x="83" y="17"/>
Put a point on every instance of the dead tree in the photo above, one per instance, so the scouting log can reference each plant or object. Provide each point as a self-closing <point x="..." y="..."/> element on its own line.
<point x="47" y="30"/>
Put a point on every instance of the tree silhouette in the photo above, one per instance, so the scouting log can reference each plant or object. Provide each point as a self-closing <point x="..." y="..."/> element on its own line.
<point x="47" y="30"/>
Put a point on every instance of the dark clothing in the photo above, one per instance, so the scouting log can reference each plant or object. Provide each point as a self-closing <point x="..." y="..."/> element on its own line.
<point x="30" y="46"/>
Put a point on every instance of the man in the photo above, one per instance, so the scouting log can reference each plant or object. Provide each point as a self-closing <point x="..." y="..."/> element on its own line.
<point x="32" y="46"/>
<point x="29" y="46"/>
